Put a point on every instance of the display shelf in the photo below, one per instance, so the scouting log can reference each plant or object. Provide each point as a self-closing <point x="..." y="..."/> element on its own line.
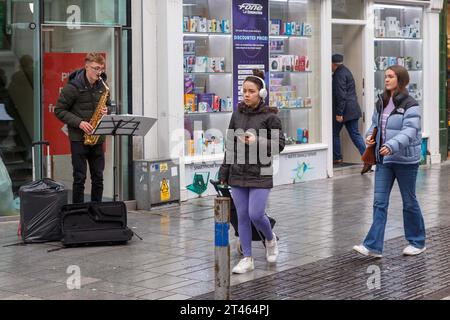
<point x="206" y="34"/>
<point x="291" y="109"/>
<point x="288" y="149"/>
<point x="293" y="66"/>
<point x="289" y="37"/>
<point x="397" y="39"/>
<point x="207" y="73"/>
<point x="207" y="113"/>
<point x="287" y="72"/>
<point x="207" y="47"/>
<point x="218" y="157"/>
<point x="294" y="148"/>
<point x="411" y="70"/>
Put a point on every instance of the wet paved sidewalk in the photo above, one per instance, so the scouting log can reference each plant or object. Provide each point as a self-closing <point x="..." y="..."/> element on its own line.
<point x="317" y="222"/>
<point x="355" y="277"/>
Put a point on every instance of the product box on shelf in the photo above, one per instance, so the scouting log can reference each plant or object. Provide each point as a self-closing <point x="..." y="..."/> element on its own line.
<point x="287" y="29"/>
<point x="289" y="63"/>
<point x="216" y="64"/>
<point x="276" y="46"/>
<point x="205" y="102"/>
<point x="186" y="24"/>
<point x="189" y="47"/>
<point x="190" y="102"/>
<point x="201" y="64"/>
<point x="274" y="27"/>
<point x="382" y="63"/>
<point x="226" y="26"/>
<point x="189" y="84"/>
<point x="307" y="30"/>
<point x="307" y="102"/>
<point x="193" y="23"/>
<point x="202" y="25"/>
<point x="212" y="25"/>
<point x="226" y="105"/>
<point x="275" y="64"/>
<point x="216" y="104"/>
<point x="303" y="64"/>
<point x="391" y="27"/>
<point x="302" y="136"/>
<point x="296" y="103"/>
<point x="189" y="64"/>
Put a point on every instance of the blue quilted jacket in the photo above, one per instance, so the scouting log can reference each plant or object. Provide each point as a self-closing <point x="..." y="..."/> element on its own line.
<point x="403" y="130"/>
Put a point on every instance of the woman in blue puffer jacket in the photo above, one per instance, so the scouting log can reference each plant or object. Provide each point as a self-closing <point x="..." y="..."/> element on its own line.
<point x="398" y="145"/>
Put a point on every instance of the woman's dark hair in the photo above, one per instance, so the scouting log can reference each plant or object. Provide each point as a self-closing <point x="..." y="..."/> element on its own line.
<point x="257" y="73"/>
<point x="402" y="80"/>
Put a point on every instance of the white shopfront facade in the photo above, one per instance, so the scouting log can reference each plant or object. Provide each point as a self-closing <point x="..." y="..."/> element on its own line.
<point x="160" y="75"/>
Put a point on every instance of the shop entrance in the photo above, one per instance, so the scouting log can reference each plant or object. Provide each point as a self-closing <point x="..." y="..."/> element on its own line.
<point x="19" y="96"/>
<point x="63" y="52"/>
<point x="348" y="41"/>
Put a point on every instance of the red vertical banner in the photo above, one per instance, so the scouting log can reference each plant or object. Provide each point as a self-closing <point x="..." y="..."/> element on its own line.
<point x="57" y="68"/>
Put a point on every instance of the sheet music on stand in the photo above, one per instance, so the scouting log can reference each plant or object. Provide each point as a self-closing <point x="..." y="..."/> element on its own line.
<point x="124" y="125"/>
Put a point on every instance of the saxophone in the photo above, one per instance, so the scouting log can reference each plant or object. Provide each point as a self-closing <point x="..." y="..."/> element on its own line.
<point x="90" y="139"/>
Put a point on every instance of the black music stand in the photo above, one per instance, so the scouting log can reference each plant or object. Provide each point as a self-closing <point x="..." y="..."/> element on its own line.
<point x="122" y="125"/>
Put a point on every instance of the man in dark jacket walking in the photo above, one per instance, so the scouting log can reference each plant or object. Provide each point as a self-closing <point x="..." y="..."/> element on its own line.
<point x="346" y="110"/>
<point x="75" y="107"/>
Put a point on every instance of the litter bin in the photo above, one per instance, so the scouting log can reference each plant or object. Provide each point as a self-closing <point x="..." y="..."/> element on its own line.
<point x="156" y="182"/>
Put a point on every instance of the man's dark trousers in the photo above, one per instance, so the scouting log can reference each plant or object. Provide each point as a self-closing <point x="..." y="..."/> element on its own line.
<point x="95" y="157"/>
<point x="352" y="128"/>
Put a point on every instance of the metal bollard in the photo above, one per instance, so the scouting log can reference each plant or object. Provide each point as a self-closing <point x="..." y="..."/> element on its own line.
<point x="222" y="248"/>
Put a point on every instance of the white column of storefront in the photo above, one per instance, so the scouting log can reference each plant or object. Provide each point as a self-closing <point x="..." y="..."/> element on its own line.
<point x="369" y="54"/>
<point x="170" y="78"/>
<point x="326" y="78"/>
<point x="157" y="66"/>
<point x="431" y="82"/>
<point x="145" y="101"/>
<point x="170" y="83"/>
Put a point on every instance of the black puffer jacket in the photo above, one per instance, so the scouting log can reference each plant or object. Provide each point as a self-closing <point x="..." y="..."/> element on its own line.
<point x="251" y="166"/>
<point x="77" y="102"/>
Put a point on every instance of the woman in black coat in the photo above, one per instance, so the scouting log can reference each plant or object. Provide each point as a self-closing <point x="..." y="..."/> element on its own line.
<point x="254" y="137"/>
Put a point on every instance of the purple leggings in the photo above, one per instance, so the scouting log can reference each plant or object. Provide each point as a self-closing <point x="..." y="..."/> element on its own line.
<point x="250" y="205"/>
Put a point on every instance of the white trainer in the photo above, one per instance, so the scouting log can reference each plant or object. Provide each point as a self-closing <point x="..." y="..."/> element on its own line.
<point x="413" y="251"/>
<point x="364" y="251"/>
<point x="272" y="249"/>
<point x="245" y="265"/>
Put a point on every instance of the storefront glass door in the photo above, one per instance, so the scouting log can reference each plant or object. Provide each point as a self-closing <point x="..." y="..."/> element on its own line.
<point x="64" y="50"/>
<point x="19" y="91"/>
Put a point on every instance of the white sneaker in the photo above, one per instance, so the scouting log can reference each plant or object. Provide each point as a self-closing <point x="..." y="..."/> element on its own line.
<point x="364" y="251"/>
<point x="272" y="249"/>
<point x="412" y="251"/>
<point x="245" y="265"/>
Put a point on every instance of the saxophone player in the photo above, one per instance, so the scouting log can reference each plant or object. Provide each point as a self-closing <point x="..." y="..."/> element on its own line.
<point x="80" y="101"/>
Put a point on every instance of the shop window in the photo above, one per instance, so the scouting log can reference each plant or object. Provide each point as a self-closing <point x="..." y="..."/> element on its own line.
<point x="208" y="92"/>
<point x="398" y="41"/>
<point x="85" y="12"/>
<point x="293" y="76"/>
<point x="348" y="9"/>
<point x="294" y="66"/>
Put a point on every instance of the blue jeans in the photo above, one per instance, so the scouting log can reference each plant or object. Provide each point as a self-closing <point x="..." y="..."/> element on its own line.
<point x="353" y="131"/>
<point x="385" y="175"/>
